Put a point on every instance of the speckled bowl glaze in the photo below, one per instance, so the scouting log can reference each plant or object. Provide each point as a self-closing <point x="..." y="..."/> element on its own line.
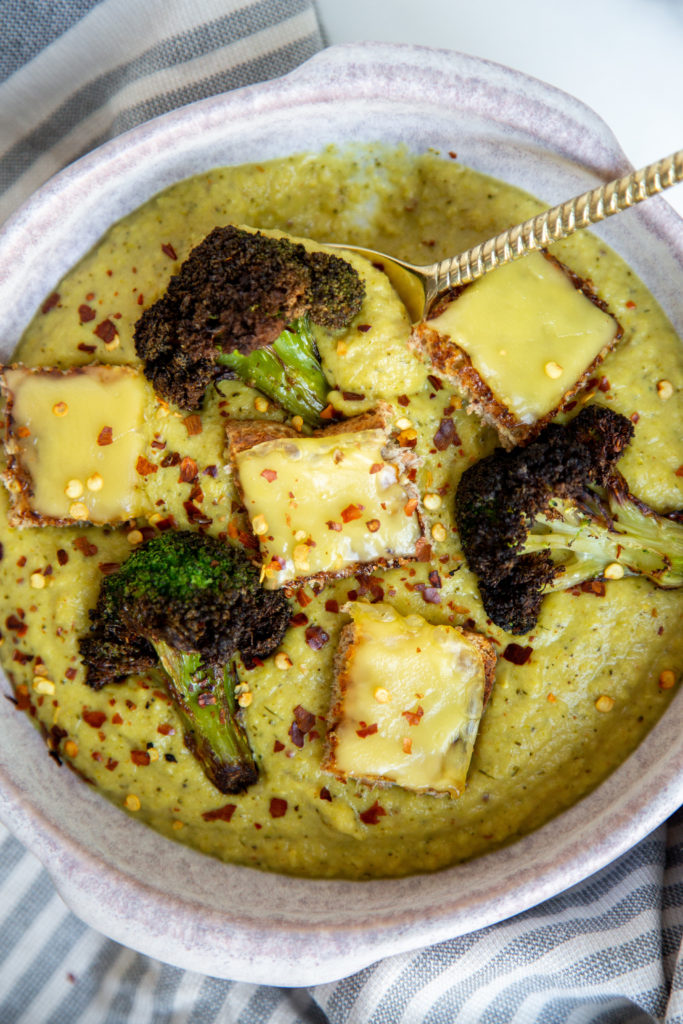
<point x="119" y="876"/>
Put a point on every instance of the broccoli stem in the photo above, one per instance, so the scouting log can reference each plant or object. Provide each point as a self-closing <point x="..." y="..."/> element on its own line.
<point x="287" y="371"/>
<point x="642" y="543"/>
<point x="205" y="699"/>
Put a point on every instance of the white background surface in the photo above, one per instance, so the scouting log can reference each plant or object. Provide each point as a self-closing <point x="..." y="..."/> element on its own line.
<point x="624" y="58"/>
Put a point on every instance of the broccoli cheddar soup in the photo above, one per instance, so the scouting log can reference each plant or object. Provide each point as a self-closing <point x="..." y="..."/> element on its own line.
<point x="242" y="591"/>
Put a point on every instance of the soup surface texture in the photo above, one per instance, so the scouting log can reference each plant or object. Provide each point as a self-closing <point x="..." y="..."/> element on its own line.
<point x="542" y="743"/>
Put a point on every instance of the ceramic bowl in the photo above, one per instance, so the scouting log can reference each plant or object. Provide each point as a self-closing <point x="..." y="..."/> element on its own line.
<point x="119" y="876"/>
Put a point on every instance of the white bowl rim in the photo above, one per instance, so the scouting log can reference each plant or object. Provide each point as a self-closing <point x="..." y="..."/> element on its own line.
<point x="273" y="946"/>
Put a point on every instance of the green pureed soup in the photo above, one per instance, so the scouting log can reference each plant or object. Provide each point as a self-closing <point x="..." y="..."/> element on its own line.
<point x="555" y="726"/>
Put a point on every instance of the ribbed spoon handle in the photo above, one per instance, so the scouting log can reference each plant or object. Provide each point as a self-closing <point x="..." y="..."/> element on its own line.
<point x="561" y="221"/>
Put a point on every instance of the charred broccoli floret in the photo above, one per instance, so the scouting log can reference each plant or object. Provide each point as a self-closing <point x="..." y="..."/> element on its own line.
<point x="241" y="305"/>
<point x="557" y="513"/>
<point x="189" y="602"/>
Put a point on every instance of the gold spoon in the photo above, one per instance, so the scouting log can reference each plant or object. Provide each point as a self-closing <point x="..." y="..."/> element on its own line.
<point x="420" y="286"/>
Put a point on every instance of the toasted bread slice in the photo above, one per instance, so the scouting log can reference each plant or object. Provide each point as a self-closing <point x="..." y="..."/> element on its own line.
<point x="519" y="343"/>
<point x="72" y="441"/>
<point x="330" y="505"/>
<point x="408" y="696"/>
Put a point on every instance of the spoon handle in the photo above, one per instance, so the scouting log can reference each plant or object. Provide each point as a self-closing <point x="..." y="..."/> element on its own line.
<point x="561" y="221"/>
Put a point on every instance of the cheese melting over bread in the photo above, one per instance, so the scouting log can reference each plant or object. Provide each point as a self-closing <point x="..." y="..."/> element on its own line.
<point x="319" y="505"/>
<point x="409" y="699"/>
<point x="529" y="333"/>
<point x="74" y="439"/>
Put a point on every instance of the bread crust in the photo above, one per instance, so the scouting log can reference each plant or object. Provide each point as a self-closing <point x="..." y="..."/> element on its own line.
<point x="341" y="678"/>
<point x="244" y="434"/>
<point x="453" y="364"/>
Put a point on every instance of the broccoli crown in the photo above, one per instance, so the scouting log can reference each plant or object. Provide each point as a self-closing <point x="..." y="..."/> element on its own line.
<point x="237" y="291"/>
<point x="189" y="591"/>
<point x="498" y="499"/>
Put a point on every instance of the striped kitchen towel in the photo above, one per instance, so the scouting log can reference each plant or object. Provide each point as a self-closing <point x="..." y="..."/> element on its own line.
<point x="72" y="74"/>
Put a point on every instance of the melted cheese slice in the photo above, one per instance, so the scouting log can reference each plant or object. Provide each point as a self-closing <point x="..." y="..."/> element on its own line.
<point x="321" y="504"/>
<point x="412" y="696"/>
<point x="78" y="434"/>
<point x="529" y="333"/>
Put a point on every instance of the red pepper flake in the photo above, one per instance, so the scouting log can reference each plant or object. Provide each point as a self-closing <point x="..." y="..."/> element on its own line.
<point x="106" y="331"/>
<point x="367" y="730"/>
<point x="603" y="384"/>
<point x="71" y="673"/>
<point x="21" y="562"/>
<point x="413" y="717"/>
<point x="430" y="595"/>
<point x="679" y="471"/>
<point x="109" y="568"/>
<point x="373" y="525"/>
<point x="332" y="606"/>
<point x="423" y="550"/>
<point x="195" y="515"/>
<point x="303" y="598"/>
<point x="82" y="347"/>
<point x="105" y="437"/>
<point x="172" y="459"/>
<point x="21" y="658"/>
<point x="96" y="719"/>
<point x="436" y="383"/>
<point x="86" y="313"/>
<point x="634" y="417"/>
<point x="364" y="328"/>
<point x="296" y="735"/>
<point x="446" y="435"/>
<point x="452" y="155"/>
<point x="304" y="719"/>
<point x="300" y="619"/>
<point x="403" y="400"/>
<point x="316" y="637"/>
<point x="375" y="467"/>
<point x="193" y="424"/>
<point x="373" y="814"/>
<point x="278" y="807"/>
<point x="143" y="467"/>
<point x="116" y="719"/>
<point x="166" y="729"/>
<point x="352" y="512"/>
<point x="517" y="654"/>
<point x="596" y="587"/>
<point x="327" y="413"/>
<point x="410" y="507"/>
<point x="331" y="525"/>
<point x="168" y="523"/>
<point x="50" y="302"/>
<point x="83" y="545"/>
<point x="630" y="304"/>
<point x="141" y="299"/>
<point x="223" y="813"/>
<point x="169" y="251"/>
<point x="188" y="471"/>
<point x="140" y="757"/>
<point x="435" y="579"/>
<point x="269" y="475"/>
<point x="62" y="556"/>
<point x="325" y="794"/>
<point x="277" y="747"/>
<point x="352" y="396"/>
